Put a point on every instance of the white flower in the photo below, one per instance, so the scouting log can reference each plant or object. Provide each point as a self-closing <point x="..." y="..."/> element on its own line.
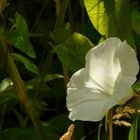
<point x="110" y="71"/>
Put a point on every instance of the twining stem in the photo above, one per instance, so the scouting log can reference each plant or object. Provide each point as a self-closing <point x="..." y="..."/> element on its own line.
<point x="44" y="71"/>
<point x="57" y="5"/>
<point x="1" y="6"/>
<point x="99" y="130"/>
<point x="66" y="76"/>
<point x="39" y="15"/>
<point x="13" y="72"/>
<point x="110" y="130"/>
<point x="60" y="13"/>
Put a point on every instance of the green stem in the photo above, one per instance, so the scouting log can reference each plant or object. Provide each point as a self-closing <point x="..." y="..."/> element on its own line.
<point x="110" y="135"/>
<point x="99" y="130"/>
<point x="70" y="14"/>
<point x="108" y="124"/>
<point x="133" y="130"/>
<point x="83" y="16"/>
<point x="60" y="12"/>
<point x="61" y="15"/>
<point x="39" y="15"/>
<point x="44" y="71"/>
<point x="11" y="68"/>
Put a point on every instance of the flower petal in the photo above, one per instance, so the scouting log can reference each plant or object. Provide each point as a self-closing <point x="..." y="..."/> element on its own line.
<point x="105" y="81"/>
<point x="84" y="95"/>
<point x="103" y="65"/>
<point x="89" y="106"/>
<point x="127" y="76"/>
<point x="123" y="88"/>
<point x="81" y="82"/>
<point x="128" y="60"/>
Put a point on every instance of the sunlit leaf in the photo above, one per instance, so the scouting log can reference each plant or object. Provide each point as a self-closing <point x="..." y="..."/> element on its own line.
<point x="72" y="52"/>
<point x="101" y="14"/>
<point x="109" y="17"/>
<point x="29" y="65"/>
<point x="136" y="87"/>
<point x="5" y="83"/>
<point x="50" y="77"/>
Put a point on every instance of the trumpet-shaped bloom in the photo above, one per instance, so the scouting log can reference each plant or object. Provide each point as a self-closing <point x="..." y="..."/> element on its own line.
<point x="107" y="79"/>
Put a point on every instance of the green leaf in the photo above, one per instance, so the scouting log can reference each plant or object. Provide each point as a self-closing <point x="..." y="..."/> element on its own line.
<point x="124" y="21"/>
<point x="29" y="65"/>
<point x="19" y="37"/>
<point x="23" y="35"/>
<point x="18" y="133"/>
<point x="109" y="17"/>
<point x="21" y="25"/>
<point x="61" y="34"/>
<point x="72" y="52"/>
<point x="134" y="102"/>
<point x="8" y="98"/>
<point x="61" y="122"/>
<point x="136" y="86"/>
<point x="133" y="129"/>
<point x="50" y="77"/>
<point x="101" y="14"/>
<point x="136" y="21"/>
<point x="27" y="133"/>
<point x="47" y="78"/>
<point x="15" y="39"/>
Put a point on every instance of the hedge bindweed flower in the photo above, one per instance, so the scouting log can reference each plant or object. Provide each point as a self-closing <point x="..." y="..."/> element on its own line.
<point x="107" y="79"/>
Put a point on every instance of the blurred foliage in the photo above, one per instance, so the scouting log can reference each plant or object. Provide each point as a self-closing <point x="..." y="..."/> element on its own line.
<point x="43" y="36"/>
